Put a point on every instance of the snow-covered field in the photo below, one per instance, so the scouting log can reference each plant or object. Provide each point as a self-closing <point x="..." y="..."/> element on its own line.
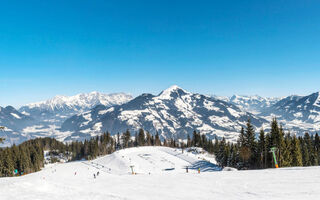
<point x="160" y="174"/>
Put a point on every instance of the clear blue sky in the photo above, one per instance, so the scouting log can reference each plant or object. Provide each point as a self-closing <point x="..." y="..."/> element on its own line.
<point x="265" y="47"/>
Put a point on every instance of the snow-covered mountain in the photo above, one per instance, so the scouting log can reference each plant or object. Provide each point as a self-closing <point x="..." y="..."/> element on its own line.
<point x="13" y="121"/>
<point x="44" y="118"/>
<point x="61" y="107"/>
<point x="299" y="113"/>
<point x="173" y="113"/>
<point x="254" y="104"/>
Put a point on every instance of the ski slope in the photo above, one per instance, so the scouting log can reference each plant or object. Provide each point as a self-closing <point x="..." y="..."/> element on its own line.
<point x="160" y="174"/>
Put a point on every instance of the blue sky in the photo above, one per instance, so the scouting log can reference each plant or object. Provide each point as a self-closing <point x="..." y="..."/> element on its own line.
<point x="270" y="48"/>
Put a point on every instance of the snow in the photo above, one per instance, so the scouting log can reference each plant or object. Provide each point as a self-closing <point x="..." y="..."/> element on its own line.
<point x="97" y="126"/>
<point x="166" y="94"/>
<point x="81" y="101"/>
<point x="210" y="106"/>
<point x="45" y="131"/>
<point x="233" y="112"/>
<point x="87" y="116"/>
<point x="298" y="114"/>
<point x="25" y="113"/>
<point x="58" y="181"/>
<point x="15" y="115"/>
<point x="102" y="112"/>
<point x="317" y="101"/>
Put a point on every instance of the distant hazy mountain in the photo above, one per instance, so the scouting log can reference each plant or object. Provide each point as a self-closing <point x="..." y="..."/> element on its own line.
<point x="13" y="121"/>
<point x="45" y="118"/>
<point x="61" y="107"/>
<point x="254" y="104"/>
<point x="13" y="118"/>
<point x="173" y="113"/>
<point x="298" y="113"/>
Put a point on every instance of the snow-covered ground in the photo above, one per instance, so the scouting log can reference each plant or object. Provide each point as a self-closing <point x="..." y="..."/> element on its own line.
<point x="160" y="174"/>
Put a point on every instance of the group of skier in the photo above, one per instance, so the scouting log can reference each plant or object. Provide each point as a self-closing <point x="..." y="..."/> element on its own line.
<point x="95" y="176"/>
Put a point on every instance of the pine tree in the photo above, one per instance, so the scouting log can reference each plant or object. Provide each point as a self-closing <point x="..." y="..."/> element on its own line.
<point x="216" y="146"/>
<point x="141" y="137"/>
<point x="1" y="162"/>
<point x="136" y="143"/>
<point x="281" y="147"/>
<point x="248" y="148"/>
<point x="196" y="139"/>
<point x="311" y="150"/>
<point x="262" y="149"/>
<point x="221" y="155"/>
<point x="317" y="147"/>
<point x="157" y="140"/>
<point x="8" y="165"/>
<point x="148" y="139"/>
<point x="275" y="134"/>
<point x="241" y="137"/>
<point x="126" y="138"/>
<point x="305" y="150"/>
<point x="296" y="152"/>
<point x="188" y="141"/>
<point x="286" y="151"/>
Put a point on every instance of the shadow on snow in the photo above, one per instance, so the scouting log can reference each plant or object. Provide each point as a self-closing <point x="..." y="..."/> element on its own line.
<point x="204" y="166"/>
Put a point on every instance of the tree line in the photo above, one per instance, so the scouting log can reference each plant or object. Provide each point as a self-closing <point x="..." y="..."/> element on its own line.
<point x="251" y="152"/>
<point x="28" y="157"/>
<point x="23" y="159"/>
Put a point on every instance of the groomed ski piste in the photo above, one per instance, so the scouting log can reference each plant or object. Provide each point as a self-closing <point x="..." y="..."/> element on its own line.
<point x="160" y="173"/>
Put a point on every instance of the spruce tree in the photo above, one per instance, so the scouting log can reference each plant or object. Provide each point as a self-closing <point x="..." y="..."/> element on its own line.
<point x="275" y="134"/>
<point x="8" y="165"/>
<point x="141" y="137"/>
<point x="250" y="145"/>
<point x="317" y="147"/>
<point x="157" y="140"/>
<point x="296" y="152"/>
<point x="221" y="156"/>
<point x="281" y="147"/>
<point x="262" y="148"/>
<point x="286" y="151"/>
<point x="148" y="139"/>
<point x="126" y="138"/>
<point x="310" y="149"/>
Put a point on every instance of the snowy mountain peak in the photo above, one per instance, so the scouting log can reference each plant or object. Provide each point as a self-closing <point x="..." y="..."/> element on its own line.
<point x="174" y="89"/>
<point x="81" y="101"/>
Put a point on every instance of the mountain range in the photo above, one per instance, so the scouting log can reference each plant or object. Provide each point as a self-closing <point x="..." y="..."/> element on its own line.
<point x="44" y="118"/>
<point x="174" y="112"/>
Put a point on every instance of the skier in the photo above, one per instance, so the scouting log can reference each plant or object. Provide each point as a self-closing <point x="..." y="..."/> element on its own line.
<point x="75" y="173"/>
<point x="187" y="169"/>
<point x="94" y="176"/>
<point x="97" y="173"/>
<point x="199" y="170"/>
